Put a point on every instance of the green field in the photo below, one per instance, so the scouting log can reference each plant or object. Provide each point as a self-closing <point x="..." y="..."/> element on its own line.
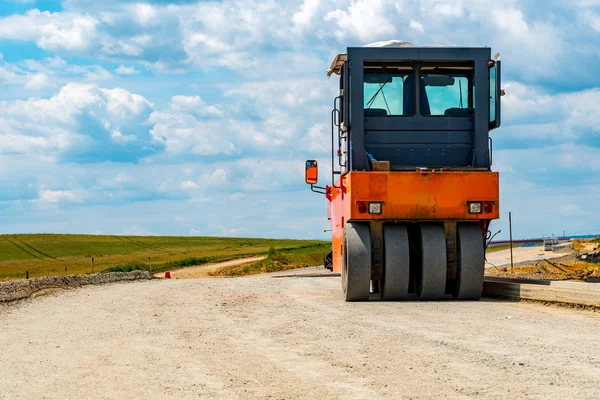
<point x="49" y="254"/>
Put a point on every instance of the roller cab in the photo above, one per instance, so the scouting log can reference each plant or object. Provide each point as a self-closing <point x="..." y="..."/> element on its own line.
<point x="412" y="193"/>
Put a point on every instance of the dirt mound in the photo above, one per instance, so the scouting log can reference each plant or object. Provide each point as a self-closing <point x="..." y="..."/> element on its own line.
<point x="551" y="270"/>
<point x="24" y="288"/>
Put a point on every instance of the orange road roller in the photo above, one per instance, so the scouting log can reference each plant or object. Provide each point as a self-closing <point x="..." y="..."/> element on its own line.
<point x="412" y="193"/>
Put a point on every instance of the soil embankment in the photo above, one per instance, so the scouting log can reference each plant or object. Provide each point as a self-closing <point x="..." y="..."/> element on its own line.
<point x="20" y="289"/>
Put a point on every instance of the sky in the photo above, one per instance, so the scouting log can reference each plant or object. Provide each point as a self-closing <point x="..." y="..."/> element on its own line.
<point x="196" y="117"/>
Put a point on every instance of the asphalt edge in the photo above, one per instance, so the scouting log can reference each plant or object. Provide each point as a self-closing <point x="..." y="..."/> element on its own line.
<point x="571" y="293"/>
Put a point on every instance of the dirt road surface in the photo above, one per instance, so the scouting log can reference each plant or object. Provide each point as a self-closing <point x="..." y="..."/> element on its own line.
<point x="502" y="258"/>
<point x="289" y="338"/>
<point x="203" y="271"/>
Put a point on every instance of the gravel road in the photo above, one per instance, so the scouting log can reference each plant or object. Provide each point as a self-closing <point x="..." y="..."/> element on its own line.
<point x="204" y="271"/>
<point x="289" y="338"/>
<point x="520" y="254"/>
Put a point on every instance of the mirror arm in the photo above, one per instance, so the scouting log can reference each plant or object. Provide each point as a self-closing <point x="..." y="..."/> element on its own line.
<point x="318" y="189"/>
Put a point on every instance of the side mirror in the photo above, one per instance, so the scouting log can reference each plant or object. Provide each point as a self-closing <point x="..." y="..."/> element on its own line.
<point x="312" y="172"/>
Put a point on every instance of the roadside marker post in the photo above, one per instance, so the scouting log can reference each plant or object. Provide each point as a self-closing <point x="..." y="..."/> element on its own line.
<point x="511" y="241"/>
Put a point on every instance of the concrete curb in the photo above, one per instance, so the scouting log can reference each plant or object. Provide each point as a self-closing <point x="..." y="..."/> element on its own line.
<point x="20" y="289"/>
<point x="576" y="293"/>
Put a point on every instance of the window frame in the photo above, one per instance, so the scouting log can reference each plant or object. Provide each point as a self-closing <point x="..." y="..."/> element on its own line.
<point x="495" y="94"/>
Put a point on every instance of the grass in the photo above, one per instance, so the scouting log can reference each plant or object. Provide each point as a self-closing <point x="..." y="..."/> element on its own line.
<point x="500" y="248"/>
<point x="282" y="260"/>
<point x="49" y="254"/>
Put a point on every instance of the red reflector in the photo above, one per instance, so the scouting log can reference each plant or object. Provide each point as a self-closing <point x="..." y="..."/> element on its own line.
<point x="488" y="207"/>
<point x="362" y="207"/>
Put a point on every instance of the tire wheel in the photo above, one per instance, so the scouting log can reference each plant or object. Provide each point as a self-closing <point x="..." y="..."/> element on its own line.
<point x="356" y="262"/>
<point x="431" y="279"/>
<point x="471" y="262"/>
<point x="396" y="263"/>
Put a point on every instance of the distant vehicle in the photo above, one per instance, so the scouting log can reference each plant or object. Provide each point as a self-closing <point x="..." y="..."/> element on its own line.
<point x="549" y="242"/>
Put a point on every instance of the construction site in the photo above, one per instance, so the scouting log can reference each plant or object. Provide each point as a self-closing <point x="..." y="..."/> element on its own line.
<point x="411" y="299"/>
<point x="289" y="335"/>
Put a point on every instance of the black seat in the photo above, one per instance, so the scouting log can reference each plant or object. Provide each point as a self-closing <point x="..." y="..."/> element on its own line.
<point x="375" y="112"/>
<point x="457" y="112"/>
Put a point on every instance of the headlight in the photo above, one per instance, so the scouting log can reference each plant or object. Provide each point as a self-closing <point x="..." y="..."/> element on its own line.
<point x="374" y="208"/>
<point x="474" y="208"/>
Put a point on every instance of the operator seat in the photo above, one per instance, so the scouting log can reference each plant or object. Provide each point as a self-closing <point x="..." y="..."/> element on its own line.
<point x="376" y="112"/>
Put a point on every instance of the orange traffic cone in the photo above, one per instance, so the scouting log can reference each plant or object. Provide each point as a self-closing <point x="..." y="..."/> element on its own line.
<point x="168" y="275"/>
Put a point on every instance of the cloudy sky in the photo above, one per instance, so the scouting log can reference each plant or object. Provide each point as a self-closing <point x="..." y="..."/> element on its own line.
<point x="195" y="117"/>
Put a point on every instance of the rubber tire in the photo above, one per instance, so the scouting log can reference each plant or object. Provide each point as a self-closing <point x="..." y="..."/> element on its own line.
<point x="356" y="262"/>
<point x="396" y="262"/>
<point x="432" y="285"/>
<point x="471" y="262"/>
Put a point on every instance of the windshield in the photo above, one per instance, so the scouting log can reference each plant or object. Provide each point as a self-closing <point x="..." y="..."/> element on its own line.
<point x="444" y="91"/>
<point x="389" y="92"/>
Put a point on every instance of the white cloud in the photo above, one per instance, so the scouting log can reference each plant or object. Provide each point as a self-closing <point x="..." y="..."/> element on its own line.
<point x="188" y="185"/>
<point x="51" y="31"/>
<point x="216" y="178"/>
<point x="307" y="13"/>
<point x="95" y="73"/>
<point x="267" y="175"/>
<point x="145" y="14"/>
<point x="37" y="81"/>
<point x="194" y="105"/>
<point x="58" y="72"/>
<point x="183" y="129"/>
<point x="121" y="180"/>
<point x="177" y="37"/>
<point x="417" y="26"/>
<point x="365" y="19"/>
<point x="444" y="8"/>
<point x="319" y="136"/>
<point x="81" y="120"/>
<point x="124" y="70"/>
<point x="548" y="118"/>
<point x="194" y="232"/>
<point x="59" y="196"/>
<point x="247" y="132"/>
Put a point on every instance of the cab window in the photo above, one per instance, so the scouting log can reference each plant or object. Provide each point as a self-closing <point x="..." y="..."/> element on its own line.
<point x="446" y="92"/>
<point x="389" y="92"/>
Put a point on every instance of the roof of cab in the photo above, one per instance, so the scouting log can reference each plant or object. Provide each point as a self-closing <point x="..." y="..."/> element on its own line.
<point x="338" y="61"/>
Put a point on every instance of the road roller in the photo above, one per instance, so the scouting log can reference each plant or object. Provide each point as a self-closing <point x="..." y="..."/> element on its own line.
<point x="412" y="193"/>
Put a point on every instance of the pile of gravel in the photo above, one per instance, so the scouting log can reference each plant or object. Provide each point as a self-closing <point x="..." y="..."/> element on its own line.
<point x="24" y="288"/>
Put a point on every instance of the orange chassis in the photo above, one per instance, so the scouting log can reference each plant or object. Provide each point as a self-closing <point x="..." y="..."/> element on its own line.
<point x="410" y="197"/>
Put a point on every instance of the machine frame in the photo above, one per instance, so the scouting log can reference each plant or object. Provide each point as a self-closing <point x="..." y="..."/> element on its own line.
<point x="385" y="220"/>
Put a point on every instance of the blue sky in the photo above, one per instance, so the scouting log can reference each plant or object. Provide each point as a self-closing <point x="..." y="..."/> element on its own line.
<point x="195" y="117"/>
